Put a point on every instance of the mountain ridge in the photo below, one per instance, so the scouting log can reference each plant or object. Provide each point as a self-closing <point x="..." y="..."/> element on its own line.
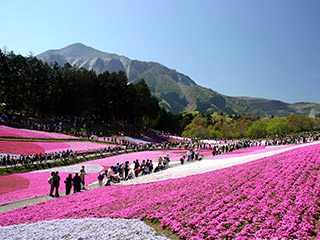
<point x="175" y="91"/>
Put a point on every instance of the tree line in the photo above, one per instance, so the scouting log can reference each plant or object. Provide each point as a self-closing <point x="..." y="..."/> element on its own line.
<point x="220" y="126"/>
<point x="30" y="85"/>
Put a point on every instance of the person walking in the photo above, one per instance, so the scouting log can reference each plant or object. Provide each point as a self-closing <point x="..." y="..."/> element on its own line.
<point x="68" y="183"/>
<point x="126" y="170"/>
<point x="56" y="183"/>
<point x="76" y="183"/>
<point x="82" y="176"/>
<point x="50" y="181"/>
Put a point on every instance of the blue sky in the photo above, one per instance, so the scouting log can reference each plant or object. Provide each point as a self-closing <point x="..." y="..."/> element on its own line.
<point x="267" y="48"/>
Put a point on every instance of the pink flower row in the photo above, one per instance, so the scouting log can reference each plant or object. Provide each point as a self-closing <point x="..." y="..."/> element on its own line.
<point x="268" y="198"/>
<point x="27" y="133"/>
<point x="18" y="147"/>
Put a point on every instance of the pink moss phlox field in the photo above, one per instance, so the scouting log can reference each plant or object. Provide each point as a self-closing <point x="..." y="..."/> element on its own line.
<point x="27" y="133"/>
<point x="74" y="146"/>
<point x="49" y="147"/>
<point x="20" y="147"/>
<point x="273" y="197"/>
<point x="12" y="183"/>
<point x="37" y="185"/>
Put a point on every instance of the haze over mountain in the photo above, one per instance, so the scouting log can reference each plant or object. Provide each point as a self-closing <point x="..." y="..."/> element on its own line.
<point x="175" y="91"/>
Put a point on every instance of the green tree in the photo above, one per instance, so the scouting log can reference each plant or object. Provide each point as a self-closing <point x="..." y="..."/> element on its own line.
<point x="197" y="128"/>
<point x="278" y="126"/>
<point x="258" y="129"/>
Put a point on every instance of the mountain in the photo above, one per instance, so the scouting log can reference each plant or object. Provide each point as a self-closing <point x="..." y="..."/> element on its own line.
<point x="175" y="91"/>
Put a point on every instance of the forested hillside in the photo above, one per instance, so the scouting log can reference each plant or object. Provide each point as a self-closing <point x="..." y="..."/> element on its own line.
<point x="29" y="85"/>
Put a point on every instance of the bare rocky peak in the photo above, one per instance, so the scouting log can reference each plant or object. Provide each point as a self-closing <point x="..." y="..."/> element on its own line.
<point x="81" y="55"/>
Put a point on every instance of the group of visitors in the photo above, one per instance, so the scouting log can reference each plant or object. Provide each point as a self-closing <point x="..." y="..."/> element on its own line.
<point x="123" y="171"/>
<point x="230" y="147"/>
<point x="116" y="173"/>
<point x="31" y="159"/>
<point x="77" y="182"/>
<point x="292" y="139"/>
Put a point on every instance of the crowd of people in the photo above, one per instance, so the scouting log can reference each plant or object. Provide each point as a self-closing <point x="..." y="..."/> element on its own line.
<point x="77" y="182"/>
<point x="292" y="139"/>
<point x="13" y="160"/>
<point x="123" y="171"/>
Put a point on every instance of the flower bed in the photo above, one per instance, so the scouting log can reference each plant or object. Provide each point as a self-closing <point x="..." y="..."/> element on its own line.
<point x="20" y="147"/>
<point x="12" y="183"/>
<point x="27" y="133"/>
<point x="271" y="197"/>
<point x="15" y="147"/>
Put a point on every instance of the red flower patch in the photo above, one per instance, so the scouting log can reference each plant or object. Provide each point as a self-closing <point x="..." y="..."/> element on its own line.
<point x="12" y="183"/>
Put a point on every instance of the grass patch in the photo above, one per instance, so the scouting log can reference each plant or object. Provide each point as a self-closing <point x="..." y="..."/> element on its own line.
<point x="156" y="225"/>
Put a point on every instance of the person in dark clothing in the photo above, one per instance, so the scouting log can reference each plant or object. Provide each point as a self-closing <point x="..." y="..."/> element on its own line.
<point x="68" y="183"/>
<point x="182" y="160"/>
<point x="82" y="177"/>
<point x="126" y="170"/>
<point x="50" y="181"/>
<point x="76" y="183"/>
<point x="56" y="183"/>
<point x="150" y="166"/>
<point x="136" y="164"/>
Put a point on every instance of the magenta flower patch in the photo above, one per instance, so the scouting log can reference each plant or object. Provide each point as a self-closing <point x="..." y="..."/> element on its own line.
<point x="27" y="133"/>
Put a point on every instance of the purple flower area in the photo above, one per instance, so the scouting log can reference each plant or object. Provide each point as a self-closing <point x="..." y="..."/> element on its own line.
<point x="273" y="197"/>
<point x="27" y="133"/>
